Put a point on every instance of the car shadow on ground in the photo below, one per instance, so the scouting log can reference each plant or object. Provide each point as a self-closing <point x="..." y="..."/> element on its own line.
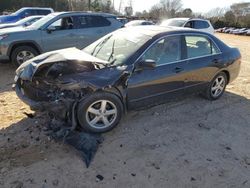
<point x="24" y="143"/>
<point x="32" y="127"/>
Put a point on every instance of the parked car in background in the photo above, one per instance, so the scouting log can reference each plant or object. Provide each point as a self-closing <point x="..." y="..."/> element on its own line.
<point x="241" y="31"/>
<point x="138" y="23"/>
<point x="247" y="32"/>
<point x="229" y="29"/>
<point x="23" y="13"/>
<point x="22" y="23"/>
<point x="223" y="29"/>
<point x="238" y="31"/>
<point x="55" y="31"/>
<point x="123" y="20"/>
<point x="194" y="23"/>
<point x="131" y="68"/>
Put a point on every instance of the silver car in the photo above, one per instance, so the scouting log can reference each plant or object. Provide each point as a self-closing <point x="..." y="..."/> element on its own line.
<point x="55" y="31"/>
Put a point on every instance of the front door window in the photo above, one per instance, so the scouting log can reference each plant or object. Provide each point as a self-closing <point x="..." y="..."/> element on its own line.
<point x="165" y="51"/>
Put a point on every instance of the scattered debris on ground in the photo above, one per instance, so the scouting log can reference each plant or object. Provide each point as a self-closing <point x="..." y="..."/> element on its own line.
<point x="85" y="143"/>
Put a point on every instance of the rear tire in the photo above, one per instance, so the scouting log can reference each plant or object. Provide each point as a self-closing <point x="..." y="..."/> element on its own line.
<point x="99" y="112"/>
<point x="22" y="54"/>
<point x="216" y="87"/>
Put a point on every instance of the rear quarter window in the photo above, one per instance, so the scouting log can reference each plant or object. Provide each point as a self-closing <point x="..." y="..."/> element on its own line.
<point x="198" y="46"/>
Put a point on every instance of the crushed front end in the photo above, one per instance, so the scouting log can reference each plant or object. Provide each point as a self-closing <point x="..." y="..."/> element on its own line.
<point x="46" y="83"/>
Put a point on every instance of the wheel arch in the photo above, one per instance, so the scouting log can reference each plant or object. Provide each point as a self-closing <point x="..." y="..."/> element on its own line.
<point x="227" y="74"/>
<point x="117" y="92"/>
<point x="32" y="44"/>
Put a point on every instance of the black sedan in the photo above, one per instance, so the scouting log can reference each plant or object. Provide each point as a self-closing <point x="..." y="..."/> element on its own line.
<point x="127" y="69"/>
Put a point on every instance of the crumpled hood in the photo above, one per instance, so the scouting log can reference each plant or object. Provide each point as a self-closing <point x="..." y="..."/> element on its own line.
<point x="8" y="19"/>
<point x="27" y="70"/>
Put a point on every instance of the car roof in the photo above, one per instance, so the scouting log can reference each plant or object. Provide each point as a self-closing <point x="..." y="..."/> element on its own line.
<point x="138" y="21"/>
<point x="42" y="8"/>
<point x="153" y="30"/>
<point x="84" y="13"/>
<point x="179" y="19"/>
<point x="187" y="19"/>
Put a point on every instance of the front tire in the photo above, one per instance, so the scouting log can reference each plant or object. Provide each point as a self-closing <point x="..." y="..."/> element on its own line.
<point x="22" y="54"/>
<point x="216" y="87"/>
<point x="99" y="112"/>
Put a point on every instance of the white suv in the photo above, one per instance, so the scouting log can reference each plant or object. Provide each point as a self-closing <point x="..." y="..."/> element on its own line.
<point x="195" y="23"/>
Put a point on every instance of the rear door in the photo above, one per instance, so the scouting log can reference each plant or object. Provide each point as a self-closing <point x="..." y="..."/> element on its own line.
<point x="62" y="34"/>
<point x="166" y="80"/>
<point x="203" y="61"/>
<point x="89" y="28"/>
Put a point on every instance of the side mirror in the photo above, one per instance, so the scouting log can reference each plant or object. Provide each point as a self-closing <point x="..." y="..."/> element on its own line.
<point x="146" y="64"/>
<point x="50" y="29"/>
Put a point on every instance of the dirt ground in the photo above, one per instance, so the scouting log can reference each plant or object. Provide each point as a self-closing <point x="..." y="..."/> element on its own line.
<point x="187" y="143"/>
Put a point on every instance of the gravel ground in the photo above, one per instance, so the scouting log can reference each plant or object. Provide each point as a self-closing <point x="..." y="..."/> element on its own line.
<point x="188" y="143"/>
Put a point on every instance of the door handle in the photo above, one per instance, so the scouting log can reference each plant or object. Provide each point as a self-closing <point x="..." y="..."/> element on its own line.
<point x="178" y="69"/>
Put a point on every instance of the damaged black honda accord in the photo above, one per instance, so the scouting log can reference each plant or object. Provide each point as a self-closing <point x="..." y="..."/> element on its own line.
<point x="127" y="69"/>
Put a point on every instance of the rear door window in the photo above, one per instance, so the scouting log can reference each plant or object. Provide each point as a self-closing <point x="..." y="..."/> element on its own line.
<point x="87" y="21"/>
<point x="80" y="22"/>
<point x="201" y="25"/>
<point x="198" y="46"/>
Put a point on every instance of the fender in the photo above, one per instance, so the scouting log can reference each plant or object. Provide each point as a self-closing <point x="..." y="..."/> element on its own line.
<point x="24" y="42"/>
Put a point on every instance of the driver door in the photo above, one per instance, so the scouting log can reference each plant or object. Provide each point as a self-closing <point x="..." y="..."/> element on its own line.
<point x="166" y="80"/>
<point x="60" y="34"/>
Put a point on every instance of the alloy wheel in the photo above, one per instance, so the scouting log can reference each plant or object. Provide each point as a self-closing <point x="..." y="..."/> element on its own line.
<point x="23" y="56"/>
<point x="101" y="114"/>
<point x="218" y="86"/>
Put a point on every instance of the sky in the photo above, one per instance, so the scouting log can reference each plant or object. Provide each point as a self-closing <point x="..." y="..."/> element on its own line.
<point x="201" y="6"/>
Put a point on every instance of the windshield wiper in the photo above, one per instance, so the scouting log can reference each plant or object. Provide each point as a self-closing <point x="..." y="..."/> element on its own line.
<point x="112" y="62"/>
<point x="112" y="51"/>
<point x="100" y="45"/>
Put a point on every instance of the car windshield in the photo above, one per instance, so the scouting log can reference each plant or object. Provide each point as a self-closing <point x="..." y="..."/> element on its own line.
<point x="18" y="12"/>
<point x="173" y="22"/>
<point x="117" y="47"/>
<point x="38" y="24"/>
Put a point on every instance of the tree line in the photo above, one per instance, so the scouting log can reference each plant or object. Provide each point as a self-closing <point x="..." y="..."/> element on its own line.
<point x="237" y="16"/>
